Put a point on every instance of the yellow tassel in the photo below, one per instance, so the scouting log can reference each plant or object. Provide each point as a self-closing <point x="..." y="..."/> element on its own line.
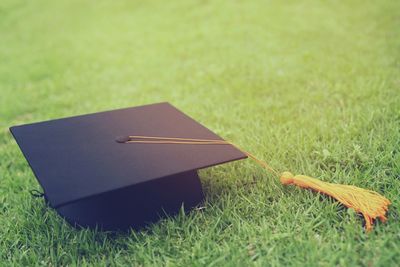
<point x="369" y="203"/>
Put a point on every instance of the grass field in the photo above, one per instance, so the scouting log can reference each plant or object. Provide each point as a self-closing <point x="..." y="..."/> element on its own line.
<point x="308" y="86"/>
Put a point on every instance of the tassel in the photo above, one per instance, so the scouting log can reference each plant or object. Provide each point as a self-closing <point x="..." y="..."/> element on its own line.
<point x="369" y="203"/>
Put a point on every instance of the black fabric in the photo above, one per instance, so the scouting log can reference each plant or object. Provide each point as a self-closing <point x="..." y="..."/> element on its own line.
<point x="78" y="157"/>
<point x="136" y="206"/>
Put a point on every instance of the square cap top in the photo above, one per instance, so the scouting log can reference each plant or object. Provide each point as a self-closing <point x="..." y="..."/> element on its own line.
<point x="78" y="157"/>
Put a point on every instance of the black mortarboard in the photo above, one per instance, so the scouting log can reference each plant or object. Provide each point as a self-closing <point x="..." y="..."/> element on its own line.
<point x="91" y="179"/>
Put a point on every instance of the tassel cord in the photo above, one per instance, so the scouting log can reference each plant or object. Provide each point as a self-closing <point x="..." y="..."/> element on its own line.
<point x="194" y="141"/>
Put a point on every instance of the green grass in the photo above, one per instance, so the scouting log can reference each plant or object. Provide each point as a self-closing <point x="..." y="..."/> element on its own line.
<point x="311" y="87"/>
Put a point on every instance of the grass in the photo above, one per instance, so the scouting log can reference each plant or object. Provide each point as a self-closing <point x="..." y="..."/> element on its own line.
<point x="311" y="87"/>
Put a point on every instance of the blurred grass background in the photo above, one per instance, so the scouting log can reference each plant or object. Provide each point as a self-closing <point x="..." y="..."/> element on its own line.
<point x="308" y="86"/>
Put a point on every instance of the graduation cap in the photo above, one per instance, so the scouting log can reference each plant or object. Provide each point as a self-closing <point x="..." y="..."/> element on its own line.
<point x="91" y="179"/>
<point x="125" y="168"/>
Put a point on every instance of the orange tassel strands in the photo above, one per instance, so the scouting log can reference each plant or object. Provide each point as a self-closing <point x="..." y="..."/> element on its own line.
<point x="369" y="203"/>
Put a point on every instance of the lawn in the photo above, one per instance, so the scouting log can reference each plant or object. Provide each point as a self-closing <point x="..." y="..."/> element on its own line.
<point x="308" y="86"/>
